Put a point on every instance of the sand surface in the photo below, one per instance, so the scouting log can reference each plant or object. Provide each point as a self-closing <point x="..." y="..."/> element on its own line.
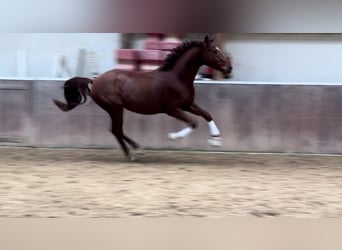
<point x="102" y="183"/>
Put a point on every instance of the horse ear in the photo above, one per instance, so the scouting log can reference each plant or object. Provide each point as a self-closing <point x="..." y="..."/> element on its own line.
<point x="209" y="40"/>
<point x="206" y="39"/>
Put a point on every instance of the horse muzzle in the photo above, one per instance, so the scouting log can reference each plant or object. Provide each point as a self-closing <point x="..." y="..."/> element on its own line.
<point x="227" y="71"/>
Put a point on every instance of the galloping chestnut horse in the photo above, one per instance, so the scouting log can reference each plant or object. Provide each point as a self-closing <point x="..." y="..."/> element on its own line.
<point x="168" y="89"/>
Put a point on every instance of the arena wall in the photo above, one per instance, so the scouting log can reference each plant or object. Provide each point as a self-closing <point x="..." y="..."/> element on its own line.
<point x="252" y="117"/>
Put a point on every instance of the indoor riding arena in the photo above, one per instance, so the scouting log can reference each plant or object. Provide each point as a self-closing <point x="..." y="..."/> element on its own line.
<point x="280" y="154"/>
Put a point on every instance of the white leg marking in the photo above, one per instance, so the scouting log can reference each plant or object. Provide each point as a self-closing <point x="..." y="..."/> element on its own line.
<point x="214" y="131"/>
<point x="215" y="139"/>
<point x="181" y="134"/>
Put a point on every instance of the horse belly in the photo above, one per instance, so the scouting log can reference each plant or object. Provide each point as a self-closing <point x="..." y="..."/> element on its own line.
<point x="142" y="97"/>
<point x="145" y="106"/>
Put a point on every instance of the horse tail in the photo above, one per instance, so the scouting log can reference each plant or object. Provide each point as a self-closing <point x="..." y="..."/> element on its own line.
<point x="76" y="90"/>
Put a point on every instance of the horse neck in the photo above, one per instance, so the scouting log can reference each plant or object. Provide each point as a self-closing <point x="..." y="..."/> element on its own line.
<point x="187" y="66"/>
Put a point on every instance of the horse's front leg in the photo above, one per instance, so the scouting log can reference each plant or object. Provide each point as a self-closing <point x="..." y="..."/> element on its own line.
<point x="215" y="139"/>
<point x="181" y="115"/>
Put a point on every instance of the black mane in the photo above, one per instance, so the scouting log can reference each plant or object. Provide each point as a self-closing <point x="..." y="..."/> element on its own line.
<point x="177" y="52"/>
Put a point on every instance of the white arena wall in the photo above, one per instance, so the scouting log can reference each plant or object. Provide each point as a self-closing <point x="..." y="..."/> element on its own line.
<point x="256" y="57"/>
<point x="286" y="57"/>
<point x="36" y="55"/>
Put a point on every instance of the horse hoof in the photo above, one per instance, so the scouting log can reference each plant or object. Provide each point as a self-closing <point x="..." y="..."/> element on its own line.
<point x="139" y="151"/>
<point x="215" y="141"/>
<point x="131" y="158"/>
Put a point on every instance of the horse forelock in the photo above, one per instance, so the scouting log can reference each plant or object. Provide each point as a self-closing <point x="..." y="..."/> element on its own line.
<point x="177" y="52"/>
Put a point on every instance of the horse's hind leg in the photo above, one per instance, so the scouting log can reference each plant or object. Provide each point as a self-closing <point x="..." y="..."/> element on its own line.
<point x="134" y="145"/>
<point x="215" y="139"/>
<point x="117" y="121"/>
<point x="131" y="142"/>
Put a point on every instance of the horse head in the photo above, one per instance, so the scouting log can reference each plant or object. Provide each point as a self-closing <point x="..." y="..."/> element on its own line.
<point x="213" y="57"/>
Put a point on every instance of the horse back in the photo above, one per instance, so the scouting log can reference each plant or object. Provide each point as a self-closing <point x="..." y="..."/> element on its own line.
<point x="140" y="92"/>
